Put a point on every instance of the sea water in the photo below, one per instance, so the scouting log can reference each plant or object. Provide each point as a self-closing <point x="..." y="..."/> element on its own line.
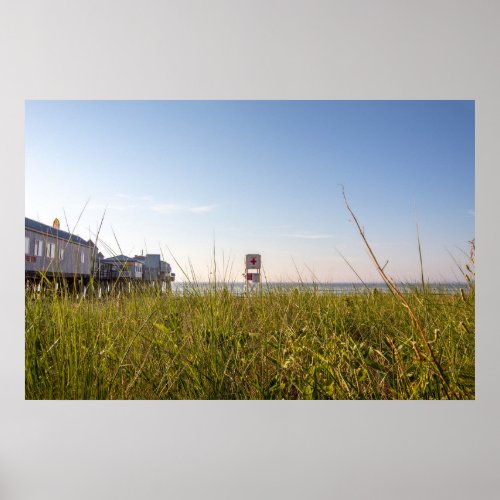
<point x="335" y="288"/>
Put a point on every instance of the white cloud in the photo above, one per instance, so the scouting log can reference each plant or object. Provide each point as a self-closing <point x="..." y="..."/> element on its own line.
<point x="202" y="209"/>
<point x="169" y="208"/>
<point x="102" y="206"/>
<point x="146" y="202"/>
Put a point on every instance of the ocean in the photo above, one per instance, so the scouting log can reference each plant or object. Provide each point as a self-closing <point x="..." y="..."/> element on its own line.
<point x="334" y="288"/>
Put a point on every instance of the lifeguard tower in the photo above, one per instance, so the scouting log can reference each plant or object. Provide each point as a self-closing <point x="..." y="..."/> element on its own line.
<point x="253" y="264"/>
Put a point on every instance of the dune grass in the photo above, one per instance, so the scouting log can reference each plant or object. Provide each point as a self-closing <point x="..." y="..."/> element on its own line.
<point x="278" y="344"/>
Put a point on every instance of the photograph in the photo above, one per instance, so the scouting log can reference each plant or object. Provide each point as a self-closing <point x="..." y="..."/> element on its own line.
<point x="249" y="249"/>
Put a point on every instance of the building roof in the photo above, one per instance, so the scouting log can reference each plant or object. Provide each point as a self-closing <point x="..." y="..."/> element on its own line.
<point x="120" y="259"/>
<point x="52" y="231"/>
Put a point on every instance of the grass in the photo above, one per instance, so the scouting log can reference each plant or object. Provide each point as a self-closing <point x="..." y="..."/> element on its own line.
<point x="280" y="344"/>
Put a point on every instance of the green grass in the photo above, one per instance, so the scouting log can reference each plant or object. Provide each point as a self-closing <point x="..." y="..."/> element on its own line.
<point x="280" y="344"/>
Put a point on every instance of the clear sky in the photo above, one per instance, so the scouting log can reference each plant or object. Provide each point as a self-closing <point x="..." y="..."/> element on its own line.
<point x="188" y="177"/>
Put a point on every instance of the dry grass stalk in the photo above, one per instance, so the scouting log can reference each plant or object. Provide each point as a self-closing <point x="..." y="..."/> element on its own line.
<point x="395" y="291"/>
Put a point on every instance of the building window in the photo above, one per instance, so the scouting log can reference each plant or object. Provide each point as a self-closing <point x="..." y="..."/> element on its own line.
<point x="50" y="250"/>
<point x="82" y="257"/>
<point x="26" y="245"/>
<point x="61" y="253"/>
<point x="38" y="248"/>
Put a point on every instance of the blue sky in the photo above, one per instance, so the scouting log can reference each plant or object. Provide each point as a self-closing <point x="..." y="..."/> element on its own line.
<point x="183" y="177"/>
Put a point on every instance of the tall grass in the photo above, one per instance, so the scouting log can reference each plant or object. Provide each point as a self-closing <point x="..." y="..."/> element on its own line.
<point x="212" y="344"/>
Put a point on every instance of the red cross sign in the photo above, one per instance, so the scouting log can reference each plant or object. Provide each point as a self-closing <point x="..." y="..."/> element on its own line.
<point x="252" y="261"/>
